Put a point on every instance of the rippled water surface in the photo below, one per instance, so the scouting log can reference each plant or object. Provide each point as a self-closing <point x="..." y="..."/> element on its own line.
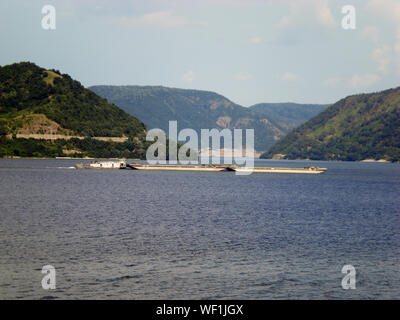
<point x="123" y="234"/>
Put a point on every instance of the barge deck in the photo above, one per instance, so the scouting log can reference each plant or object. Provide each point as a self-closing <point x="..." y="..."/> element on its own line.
<point x="218" y="168"/>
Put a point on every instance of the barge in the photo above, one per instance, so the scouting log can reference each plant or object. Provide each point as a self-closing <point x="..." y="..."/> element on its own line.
<point x="102" y="165"/>
<point x="206" y="168"/>
<point x="218" y="168"/>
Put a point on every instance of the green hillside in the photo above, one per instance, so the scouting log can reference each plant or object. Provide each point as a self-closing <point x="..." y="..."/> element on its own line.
<point x="195" y="109"/>
<point x="289" y="115"/>
<point x="359" y="127"/>
<point x="37" y="101"/>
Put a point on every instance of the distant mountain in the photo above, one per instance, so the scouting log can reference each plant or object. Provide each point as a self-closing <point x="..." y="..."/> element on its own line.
<point x="37" y="103"/>
<point x="359" y="127"/>
<point x="156" y="105"/>
<point x="289" y="115"/>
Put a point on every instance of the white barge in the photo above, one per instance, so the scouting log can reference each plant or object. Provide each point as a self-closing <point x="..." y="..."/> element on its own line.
<point x="102" y="165"/>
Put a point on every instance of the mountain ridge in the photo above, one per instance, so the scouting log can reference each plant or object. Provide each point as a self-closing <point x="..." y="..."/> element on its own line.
<point x="289" y="114"/>
<point x="358" y="127"/>
<point x="196" y="109"/>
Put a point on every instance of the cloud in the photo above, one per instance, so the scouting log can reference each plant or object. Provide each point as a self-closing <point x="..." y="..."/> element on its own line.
<point x="397" y="50"/>
<point x="243" y="76"/>
<point x="307" y="12"/>
<point x="306" y="21"/>
<point x="188" y="76"/>
<point x="363" y="81"/>
<point x="356" y="81"/>
<point x="371" y="33"/>
<point x="332" y="82"/>
<point x="383" y="57"/>
<point x="164" y="19"/>
<point x="323" y="15"/>
<point x="390" y="11"/>
<point x="256" y="40"/>
<point x="289" y="77"/>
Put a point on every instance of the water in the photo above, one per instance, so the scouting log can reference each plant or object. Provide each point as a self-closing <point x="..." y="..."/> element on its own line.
<point x="125" y="234"/>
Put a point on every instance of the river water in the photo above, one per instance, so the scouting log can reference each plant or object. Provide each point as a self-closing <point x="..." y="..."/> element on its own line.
<point x="125" y="234"/>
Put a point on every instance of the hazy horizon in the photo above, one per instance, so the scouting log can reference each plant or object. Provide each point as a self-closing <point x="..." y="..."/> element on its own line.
<point x="248" y="51"/>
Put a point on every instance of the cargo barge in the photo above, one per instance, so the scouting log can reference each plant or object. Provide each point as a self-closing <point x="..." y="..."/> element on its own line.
<point x="218" y="168"/>
<point x="206" y="168"/>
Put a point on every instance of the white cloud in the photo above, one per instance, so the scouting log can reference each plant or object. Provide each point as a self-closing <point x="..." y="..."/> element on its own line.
<point x="371" y="33"/>
<point x="243" y="76"/>
<point x="256" y="40"/>
<point x="307" y="12"/>
<point x="324" y="15"/>
<point x="332" y="82"/>
<point x="388" y="8"/>
<point x="363" y="81"/>
<point x="289" y="77"/>
<point x="164" y="19"/>
<point x="357" y="81"/>
<point x="397" y="51"/>
<point x="306" y="21"/>
<point x="188" y="76"/>
<point x="382" y="56"/>
<point x="390" y="11"/>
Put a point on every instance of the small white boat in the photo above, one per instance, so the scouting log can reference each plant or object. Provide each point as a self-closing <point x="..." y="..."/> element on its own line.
<point x="102" y="165"/>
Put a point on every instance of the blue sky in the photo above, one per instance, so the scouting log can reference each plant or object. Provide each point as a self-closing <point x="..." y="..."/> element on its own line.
<point x="250" y="51"/>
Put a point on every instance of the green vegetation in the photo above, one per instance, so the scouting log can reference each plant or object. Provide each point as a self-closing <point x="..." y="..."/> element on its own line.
<point x="289" y="115"/>
<point x="66" y="106"/>
<point x="156" y="105"/>
<point x="86" y="148"/>
<point x="359" y="127"/>
<point x="3" y="128"/>
<point x="29" y="148"/>
<point x="25" y="86"/>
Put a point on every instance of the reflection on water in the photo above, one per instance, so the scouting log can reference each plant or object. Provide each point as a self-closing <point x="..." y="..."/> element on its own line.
<point x="192" y="235"/>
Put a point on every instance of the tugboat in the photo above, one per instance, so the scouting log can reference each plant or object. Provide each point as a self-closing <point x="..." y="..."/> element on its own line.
<point x="103" y="165"/>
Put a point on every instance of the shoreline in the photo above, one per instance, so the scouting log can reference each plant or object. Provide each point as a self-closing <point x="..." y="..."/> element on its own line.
<point x="137" y="159"/>
<point x="379" y="161"/>
<point x="65" y="158"/>
<point x="365" y="160"/>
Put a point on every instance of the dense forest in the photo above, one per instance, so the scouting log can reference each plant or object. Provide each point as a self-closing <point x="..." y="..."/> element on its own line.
<point x="359" y="127"/>
<point x="26" y="90"/>
<point x="195" y="109"/>
<point x="88" y="148"/>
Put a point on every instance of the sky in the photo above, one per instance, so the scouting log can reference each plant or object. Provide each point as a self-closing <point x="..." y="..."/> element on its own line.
<point x="250" y="51"/>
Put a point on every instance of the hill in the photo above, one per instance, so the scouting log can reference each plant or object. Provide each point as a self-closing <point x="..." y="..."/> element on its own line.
<point x="196" y="109"/>
<point x="359" y="127"/>
<point x="289" y="115"/>
<point x="37" y="103"/>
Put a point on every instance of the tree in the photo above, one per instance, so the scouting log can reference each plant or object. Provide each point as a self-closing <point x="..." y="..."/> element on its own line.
<point x="3" y="130"/>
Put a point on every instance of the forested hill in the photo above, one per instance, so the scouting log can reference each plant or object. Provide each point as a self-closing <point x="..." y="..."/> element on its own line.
<point x="37" y="101"/>
<point x="289" y="115"/>
<point x="196" y="109"/>
<point x="359" y="127"/>
<point x="25" y="86"/>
